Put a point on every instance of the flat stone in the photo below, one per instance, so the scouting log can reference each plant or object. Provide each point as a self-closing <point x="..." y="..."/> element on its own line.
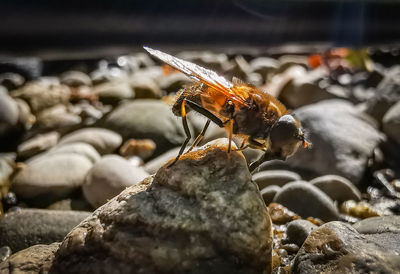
<point x="307" y="201"/>
<point x="103" y="140"/>
<point x="268" y="193"/>
<point x="337" y="188"/>
<point x="298" y="231"/>
<point x="26" y="227"/>
<point x="38" y="144"/>
<point x="391" y="122"/>
<point x="275" y="177"/>
<point x="8" y="112"/>
<point x="77" y="148"/>
<point x="113" y="92"/>
<point x="153" y="165"/>
<point x="75" y="78"/>
<point x="108" y="177"/>
<point x="146" y="229"/>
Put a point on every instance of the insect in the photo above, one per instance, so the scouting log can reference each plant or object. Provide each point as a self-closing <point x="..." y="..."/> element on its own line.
<point x="243" y="110"/>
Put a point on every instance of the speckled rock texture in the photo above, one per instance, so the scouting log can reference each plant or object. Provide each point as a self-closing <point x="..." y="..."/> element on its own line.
<point x="202" y="215"/>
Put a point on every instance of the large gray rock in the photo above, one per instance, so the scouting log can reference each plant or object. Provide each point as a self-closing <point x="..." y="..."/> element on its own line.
<point x="201" y="215"/>
<point x="342" y="139"/>
<point x="51" y="176"/>
<point x="147" y="119"/>
<point x="103" y="140"/>
<point x="8" y="112"/>
<point x="307" y="201"/>
<point x="37" y="144"/>
<point x="35" y="259"/>
<point x="108" y="177"/>
<point x="391" y="122"/>
<point x="337" y="188"/>
<point x="337" y="247"/>
<point x="26" y="227"/>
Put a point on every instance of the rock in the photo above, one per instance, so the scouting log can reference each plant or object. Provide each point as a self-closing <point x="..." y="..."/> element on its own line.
<point x="391" y="122"/>
<point x="8" y="112"/>
<point x="337" y="188"/>
<point x="35" y="259"/>
<point x="275" y="177"/>
<point x="337" y="247"/>
<point x="43" y="94"/>
<point x="147" y="119"/>
<point x="342" y="139"/>
<point x="215" y="208"/>
<point x="7" y="166"/>
<point x="107" y="74"/>
<point x="386" y="95"/>
<point x="57" y="117"/>
<point x="268" y="193"/>
<point x="78" y="204"/>
<point x="38" y="144"/>
<point x="51" y="176"/>
<point x="26" y="227"/>
<point x="25" y="117"/>
<point x="298" y="230"/>
<point x="11" y="80"/>
<point x="75" y="78"/>
<point x="5" y="253"/>
<point x="153" y="165"/>
<point x="77" y="148"/>
<point x="113" y="92"/>
<point x="27" y="67"/>
<point x="103" y="140"/>
<point x="108" y="177"/>
<point x="263" y="65"/>
<point x="145" y="87"/>
<point x="141" y="148"/>
<point x="174" y="82"/>
<point x="280" y="214"/>
<point x="198" y="121"/>
<point x="307" y="201"/>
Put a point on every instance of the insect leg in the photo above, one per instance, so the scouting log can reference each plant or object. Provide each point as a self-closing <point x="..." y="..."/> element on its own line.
<point x="230" y="131"/>
<point x="187" y="131"/>
<point x="201" y="135"/>
<point x="205" y="112"/>
<point x="268" y="155"/>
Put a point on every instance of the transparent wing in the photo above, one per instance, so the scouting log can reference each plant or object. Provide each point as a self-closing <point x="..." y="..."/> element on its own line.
<point x="198" y="73"/>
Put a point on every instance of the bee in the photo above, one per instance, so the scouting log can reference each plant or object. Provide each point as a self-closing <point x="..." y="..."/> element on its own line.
<point x="242" y="109"/>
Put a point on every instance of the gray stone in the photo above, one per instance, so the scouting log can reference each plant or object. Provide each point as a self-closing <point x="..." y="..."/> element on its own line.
<point x="26" y="227"/>
<point x="153" y="165"/>
<point x="337" y="247"/>
<point x="342" y="139"/>
<point x="11" y="80"/>
<point x="145" y="87"/>
<point x="174" y="82"/>
<point x="8" y="112"/>
<point x="5" y="253"/>
<point x="51" y="176"/>
<point x="103" y="140"/>
<point x="35" y="259"/>
<point x="263" y="65"/>
<point x="108" y="177"/>
<point x="298" y="231"/>
<point x="275" y="177"/>
<point x="391" y="122"/>
<point x="43" y="94"/>
<point x="337" y="188"/>
<point x="25" y="117"/>
<point x="38" y="144"/>
<point x="57" y="117"/>
<point x="307" y="201"/>
<point x="147" y="119"/>
<point x="78" y="148"/>
<point x="75" y="78"/>
<point x="211" y="219"/>
<point x="268" y="193"/>
<point x="113" y="92"/>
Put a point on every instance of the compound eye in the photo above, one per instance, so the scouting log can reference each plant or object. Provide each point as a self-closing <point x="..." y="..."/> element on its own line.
<point x="284" y="131"/>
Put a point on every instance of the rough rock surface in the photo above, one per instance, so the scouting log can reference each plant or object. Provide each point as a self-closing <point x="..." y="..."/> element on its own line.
<point x="23" y="228"/>
<point x="337" y="247"/>
<point x="103" y="140"/>
<point x="201" y="215"/>
<point x="35" y="259"/>
<point x="342" y="138"/>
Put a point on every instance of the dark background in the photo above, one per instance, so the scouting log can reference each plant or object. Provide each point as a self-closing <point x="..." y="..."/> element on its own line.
<point x="28" y="26"/>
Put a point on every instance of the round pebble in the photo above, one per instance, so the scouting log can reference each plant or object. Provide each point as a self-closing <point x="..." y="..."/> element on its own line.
<point x="275" y="177"/>
<point x="337" y="188"/>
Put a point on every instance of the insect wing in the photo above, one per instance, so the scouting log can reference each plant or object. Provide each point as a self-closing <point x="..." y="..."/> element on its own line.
<point x="198" y="73"/>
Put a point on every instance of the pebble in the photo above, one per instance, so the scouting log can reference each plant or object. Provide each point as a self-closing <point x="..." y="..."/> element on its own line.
<point x="275" y="177"/>
<point x="145" y="87"/>
<point x="154" y="164"/>
<point x="280" y="214"/>
<point x="215" y="207"/>
<point x="8" y="112"/>
<point x="298" y="231"/>
<point x="113" y="92"/>
<point x="75" y="78"/>
<point x="51" y="177"/>
<point x="174" y="82"/>
<point x="141" y="148"/>
<point x="147" y="119"/>
<point x="391" y="122"/>
<point x="103" y="140"/>
<point x="342" y="139"/>
<point x="78" y="148"/>
<point x="5" y="253"/>
<point x="11" y="80"/>
<point x="337" y="188"/>
<point x="25" y="118"/>
<point x="26" y="227"/>
<point x="307" y="201"/>
<point x="59" y="117"/>
<point x="268" y="193"/>
<point x="108" y="177"/>
<point x="37" y="144"/>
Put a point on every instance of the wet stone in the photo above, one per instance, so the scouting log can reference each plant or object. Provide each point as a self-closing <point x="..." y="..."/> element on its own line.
<point x="146" y="229"/>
